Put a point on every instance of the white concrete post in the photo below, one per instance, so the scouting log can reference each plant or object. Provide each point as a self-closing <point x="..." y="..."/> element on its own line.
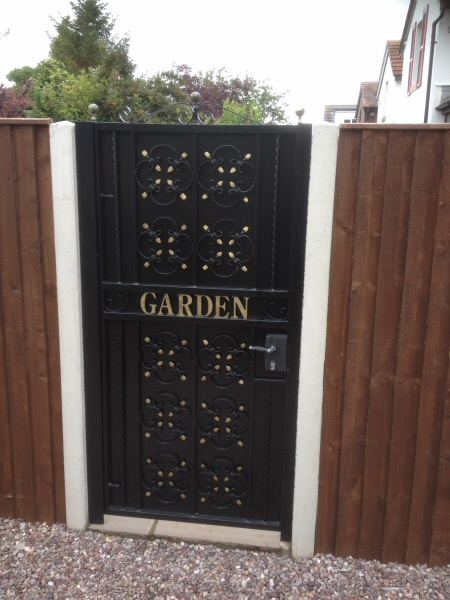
<point x="314" y="323"/>
<point x="65" y="207"/>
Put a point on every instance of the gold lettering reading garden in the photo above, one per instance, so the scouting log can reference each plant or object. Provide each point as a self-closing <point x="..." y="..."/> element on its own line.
<point x="198" y="305"/>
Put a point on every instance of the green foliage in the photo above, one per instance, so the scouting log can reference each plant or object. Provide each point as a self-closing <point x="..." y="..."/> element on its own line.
<point x="85" y="41"/>
<point x="48" y="81"/>
<point x="21" y="76"/>
<point x="87" y="64"/>
<point x="217" y="87"/>
<point x="235" y="113"/>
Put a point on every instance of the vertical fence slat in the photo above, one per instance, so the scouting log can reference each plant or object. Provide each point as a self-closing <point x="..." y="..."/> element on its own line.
<point x="35" y="326"/>
<point x="434" y="377"/>
<point x="397" y="191"/>
<point x="369" y="213"/>
<point x="440" y="546"/>
<point x="44" y="182"/>
<point x="6" y="472"/>
<point x="14" y="332"/>
<point x="338" y="307"/>
<point x="411" y="342"/>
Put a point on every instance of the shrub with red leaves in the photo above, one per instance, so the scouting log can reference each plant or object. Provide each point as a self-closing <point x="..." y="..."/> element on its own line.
<point x="12" y="103"/>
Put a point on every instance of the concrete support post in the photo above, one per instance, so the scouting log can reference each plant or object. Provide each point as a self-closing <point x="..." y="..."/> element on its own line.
<point x="314" y="323"/>
<point x="65" y="206"/>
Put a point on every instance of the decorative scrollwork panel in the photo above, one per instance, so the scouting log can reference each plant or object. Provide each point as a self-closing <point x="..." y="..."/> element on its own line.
<point x="223" y="423"/>
<point x="166" y="356"/>
<point x="164" y="246"/>
<point x="166" y="478"/>
<point x="226" y="177"/>
<point x="164" y="175"/>
<point x="166" y="418"/>
<point x="222" y="483"/>
<point x="226" y="248"/>
<point x="223" y="361"/>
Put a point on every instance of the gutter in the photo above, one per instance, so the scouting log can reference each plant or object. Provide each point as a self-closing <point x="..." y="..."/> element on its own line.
<point x="445" y="6"/>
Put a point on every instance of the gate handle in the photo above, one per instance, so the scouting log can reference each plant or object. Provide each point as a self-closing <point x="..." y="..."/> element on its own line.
<point x="262" y="349"/>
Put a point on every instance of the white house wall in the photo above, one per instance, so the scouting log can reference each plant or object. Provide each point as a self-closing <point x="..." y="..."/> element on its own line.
<point x="390" y="105"/>
<point x="413" y="106"/>
<point x="441" y="75"/>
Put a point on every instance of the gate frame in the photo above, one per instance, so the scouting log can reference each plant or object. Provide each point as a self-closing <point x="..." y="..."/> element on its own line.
<point x="312" y="343"/>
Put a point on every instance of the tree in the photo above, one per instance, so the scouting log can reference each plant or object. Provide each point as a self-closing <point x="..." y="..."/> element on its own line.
<point x="86" y="41"/>
<point x="87" y="64"/>
<point x="12" y="103"/>
<point x="217" y="87"/>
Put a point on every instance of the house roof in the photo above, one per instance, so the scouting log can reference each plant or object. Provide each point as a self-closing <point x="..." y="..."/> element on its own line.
<point x="392" y="54"/>
<point x="367" y="95"/>
<point x="393" y="50"/>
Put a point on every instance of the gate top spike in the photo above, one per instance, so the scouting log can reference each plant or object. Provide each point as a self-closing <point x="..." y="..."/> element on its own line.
<point x="195" y="97"/>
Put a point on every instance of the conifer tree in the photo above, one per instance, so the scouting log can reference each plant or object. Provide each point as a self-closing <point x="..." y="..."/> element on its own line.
<point x="86" y="41"/>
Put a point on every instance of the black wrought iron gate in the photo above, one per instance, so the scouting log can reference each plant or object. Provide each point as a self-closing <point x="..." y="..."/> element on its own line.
<point x="192" y="243"/>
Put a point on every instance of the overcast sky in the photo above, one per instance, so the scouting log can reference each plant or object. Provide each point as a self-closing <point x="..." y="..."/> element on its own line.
<point x="316" y="52"/>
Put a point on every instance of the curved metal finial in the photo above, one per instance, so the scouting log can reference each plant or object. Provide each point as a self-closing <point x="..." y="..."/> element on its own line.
<point x="193" y="112"/>
<point x="93" y="109"/>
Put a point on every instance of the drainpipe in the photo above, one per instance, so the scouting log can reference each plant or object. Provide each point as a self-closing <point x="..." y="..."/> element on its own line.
<point x="445" y="6"/>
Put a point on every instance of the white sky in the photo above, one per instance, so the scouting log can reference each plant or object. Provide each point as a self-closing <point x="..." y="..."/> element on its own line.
<point x="318" y="52"/>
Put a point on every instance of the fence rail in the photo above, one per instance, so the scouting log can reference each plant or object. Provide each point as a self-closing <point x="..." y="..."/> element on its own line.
<point x="384" y="489"/>
<point x="31" y="465"/>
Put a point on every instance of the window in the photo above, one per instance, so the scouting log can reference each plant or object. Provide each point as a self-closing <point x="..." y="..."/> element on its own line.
<point x="418" y="37"/>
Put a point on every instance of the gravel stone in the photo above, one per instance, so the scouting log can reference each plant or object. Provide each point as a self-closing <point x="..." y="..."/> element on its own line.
<point x="39" y="562"/>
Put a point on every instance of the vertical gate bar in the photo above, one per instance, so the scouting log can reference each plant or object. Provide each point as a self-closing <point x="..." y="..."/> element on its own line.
<point x="121" y="424"/>
<point x="268" y="397"/>
<point x="252" y="419"/>
<point x="303" y="137"/>
<point x="133" y="406"/>
<point x="256" y="235"/>
<point x="100" y="199"/>
<point x="117" y="208"/>
<point x="274" y="214"/>
<point x="195" y="215"/>
<point x="89" y="212"/>
<point x="195" y="343"/>
<point x="120" y="340"/>
<point x="133" y="200"/>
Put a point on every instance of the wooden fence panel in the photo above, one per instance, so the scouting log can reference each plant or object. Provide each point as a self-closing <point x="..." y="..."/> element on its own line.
<point x="397" y="189"/>
<point x="391" y="451"/>
<point x="372" y="169"/>
<point x="340" y="266"/>
<point x="434" y="375"/>
<point x="30" y="390"/>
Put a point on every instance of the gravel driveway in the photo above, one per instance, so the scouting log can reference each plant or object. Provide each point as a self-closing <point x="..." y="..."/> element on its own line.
<point x="38" y="561"/>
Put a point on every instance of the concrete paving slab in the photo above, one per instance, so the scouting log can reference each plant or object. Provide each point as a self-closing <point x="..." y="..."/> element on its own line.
<point x="218" y="534"/>
<point x="125" y="525"/>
